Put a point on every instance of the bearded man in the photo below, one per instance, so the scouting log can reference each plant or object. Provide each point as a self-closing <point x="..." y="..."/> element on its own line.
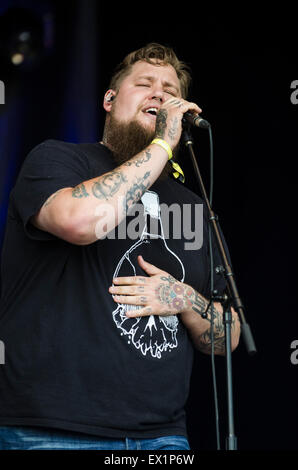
<point x="100" y="331"/>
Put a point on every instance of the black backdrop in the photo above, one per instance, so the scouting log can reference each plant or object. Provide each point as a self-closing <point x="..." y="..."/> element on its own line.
<point x="241" y="79"/>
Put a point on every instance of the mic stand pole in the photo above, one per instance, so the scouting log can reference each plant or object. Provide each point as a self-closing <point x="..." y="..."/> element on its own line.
<point x="231" y="439"/>
<point x="232" y="299"/>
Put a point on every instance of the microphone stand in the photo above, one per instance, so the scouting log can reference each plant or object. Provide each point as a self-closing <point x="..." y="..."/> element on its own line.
<point x="232" y="299"/>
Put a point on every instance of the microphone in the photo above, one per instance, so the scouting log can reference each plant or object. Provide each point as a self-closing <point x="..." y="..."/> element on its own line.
<point x="194" y="120"/>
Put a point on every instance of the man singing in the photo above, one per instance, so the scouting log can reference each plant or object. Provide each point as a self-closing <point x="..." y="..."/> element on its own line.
<point x="100" y="327"/>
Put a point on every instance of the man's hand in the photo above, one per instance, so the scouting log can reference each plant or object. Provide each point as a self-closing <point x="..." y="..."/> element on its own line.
<point x="169" y="119"/>
<point x="159" y="294"/>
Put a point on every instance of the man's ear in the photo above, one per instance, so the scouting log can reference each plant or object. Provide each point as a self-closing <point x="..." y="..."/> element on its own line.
<point x="108" y="100"/>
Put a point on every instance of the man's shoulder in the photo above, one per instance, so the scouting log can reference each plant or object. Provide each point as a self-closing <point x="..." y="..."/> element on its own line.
<point x="56" y="145"/>
<point x="54" y="150"/>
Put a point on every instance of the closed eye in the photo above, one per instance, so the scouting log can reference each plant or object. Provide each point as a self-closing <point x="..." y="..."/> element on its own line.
<point x="172" y="93"/>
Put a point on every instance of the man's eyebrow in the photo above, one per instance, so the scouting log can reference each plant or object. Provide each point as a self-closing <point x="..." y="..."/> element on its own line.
<point x="151" y="79"/>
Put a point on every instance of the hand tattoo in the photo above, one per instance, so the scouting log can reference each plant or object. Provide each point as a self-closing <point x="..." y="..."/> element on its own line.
<point x="179" y="296"/>
<point x="172" y="293"/>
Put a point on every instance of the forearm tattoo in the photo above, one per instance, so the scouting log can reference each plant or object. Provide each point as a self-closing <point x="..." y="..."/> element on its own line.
<point x="178" y="296"/>
<point x="104" y="188"/>
<point x="161" y="123"/>
<point x="110" y="183"/>
<point x="139" y="159"/>
<point x="136" y="191"/>
<point x="216" y="332"/>
<point x="173" y="129"/>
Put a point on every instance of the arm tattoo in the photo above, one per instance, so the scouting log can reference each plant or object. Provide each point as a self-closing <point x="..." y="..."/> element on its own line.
<point x="216" y="333"/>
<point x="108" y="184"/>
<point x="161" y="123"/>
<point x="173" y="129"/>
<point x="136" y="191"/>
<point x="176" y="295"/>
<point x="80" y="191"/>
<point x="198" y="304"/>
<point x="139" y="160"/>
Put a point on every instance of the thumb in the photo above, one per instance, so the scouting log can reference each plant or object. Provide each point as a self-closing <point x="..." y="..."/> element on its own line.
<point x="147" y="267"/>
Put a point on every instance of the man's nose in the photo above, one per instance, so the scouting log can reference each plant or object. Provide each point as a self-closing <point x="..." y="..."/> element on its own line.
<point x="158" y="95"/>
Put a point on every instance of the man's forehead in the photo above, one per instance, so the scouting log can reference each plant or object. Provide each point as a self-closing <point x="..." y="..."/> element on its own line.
<point x="146" y="69"/>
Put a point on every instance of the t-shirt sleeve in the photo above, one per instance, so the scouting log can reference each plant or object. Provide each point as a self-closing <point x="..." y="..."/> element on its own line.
<point x="50" y="166"/>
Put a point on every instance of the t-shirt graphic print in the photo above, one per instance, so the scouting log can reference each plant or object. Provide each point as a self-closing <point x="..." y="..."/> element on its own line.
<point x="154" y="334"/>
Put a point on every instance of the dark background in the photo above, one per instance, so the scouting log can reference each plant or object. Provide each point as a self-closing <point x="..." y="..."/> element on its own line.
<point x="242" y="76"/>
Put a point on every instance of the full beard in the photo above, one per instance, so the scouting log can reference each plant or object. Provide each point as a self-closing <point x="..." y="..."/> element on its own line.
<point x="127" y="139"/>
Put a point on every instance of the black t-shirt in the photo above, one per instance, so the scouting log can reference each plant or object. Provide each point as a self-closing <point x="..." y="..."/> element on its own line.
<point x="73" y="360"/>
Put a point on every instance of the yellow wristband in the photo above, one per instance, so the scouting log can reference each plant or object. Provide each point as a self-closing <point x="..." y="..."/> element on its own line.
<point x="164" y="145"/>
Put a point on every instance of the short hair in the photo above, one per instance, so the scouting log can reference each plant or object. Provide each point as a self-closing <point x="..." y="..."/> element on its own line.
<point x="156" y="54"/>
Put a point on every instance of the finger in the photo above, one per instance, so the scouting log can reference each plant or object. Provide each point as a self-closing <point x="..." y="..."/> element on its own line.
<point x="146" y="311"/>
<point x="193" y="107"/>
<point x="148" y="268"/>
<point x="183" y="104"/>
<point x="130" y="280"/>
<point x="131" y="300"/>
<point x="142" y="312"/>
<point x="190" y="108"/>
<point x="127" y="290"/>
<point x="176" y="103"/>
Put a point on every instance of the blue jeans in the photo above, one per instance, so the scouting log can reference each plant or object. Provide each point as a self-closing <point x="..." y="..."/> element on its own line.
<point x="35" y="438"/>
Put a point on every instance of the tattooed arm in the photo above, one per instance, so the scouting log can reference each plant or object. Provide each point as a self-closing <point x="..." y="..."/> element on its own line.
<point x="200" y="329"/>
<point x="73" y="214"/>
<point x="161" y="294"/>
<point x="192" y="305"/>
